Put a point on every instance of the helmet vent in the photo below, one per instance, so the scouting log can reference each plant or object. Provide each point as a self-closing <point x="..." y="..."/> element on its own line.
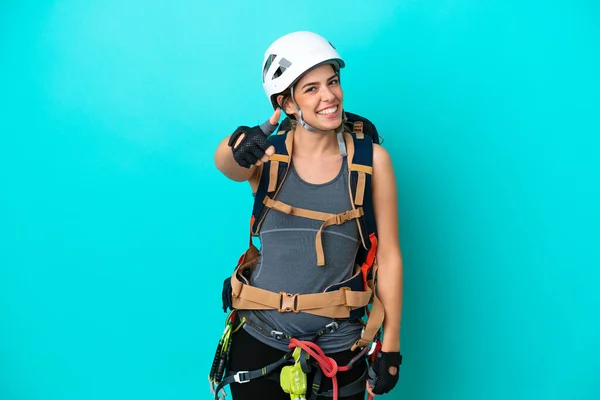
<point x="283" y="65"/>
<point x="268" y="65"/>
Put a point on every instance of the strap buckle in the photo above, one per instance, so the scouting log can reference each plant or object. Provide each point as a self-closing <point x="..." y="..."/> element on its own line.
<point x="277" y="335"/>
<point x="346" y="216"/>
<point x="342" y="218"/>
<point x="239" y="379"/>
<point x="331" y="327"/>
<point x="288" y="302"/>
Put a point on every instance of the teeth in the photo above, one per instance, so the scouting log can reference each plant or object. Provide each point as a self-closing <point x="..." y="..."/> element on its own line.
<point x="328" y="111"/>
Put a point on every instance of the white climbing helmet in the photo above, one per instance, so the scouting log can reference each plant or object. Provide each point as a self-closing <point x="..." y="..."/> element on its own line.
<point x="290" y="56"/>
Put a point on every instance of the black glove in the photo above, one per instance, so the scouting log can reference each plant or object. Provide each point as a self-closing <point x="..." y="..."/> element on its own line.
<point x="253" y="145"/>
<point x="380" y="378"/>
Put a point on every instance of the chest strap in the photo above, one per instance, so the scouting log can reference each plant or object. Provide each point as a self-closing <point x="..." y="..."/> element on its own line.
<point x="327" y="218"/>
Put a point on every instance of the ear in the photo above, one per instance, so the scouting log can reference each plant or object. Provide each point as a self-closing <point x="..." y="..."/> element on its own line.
<point x="279" y="99"/>
<point x="288" y="107"/>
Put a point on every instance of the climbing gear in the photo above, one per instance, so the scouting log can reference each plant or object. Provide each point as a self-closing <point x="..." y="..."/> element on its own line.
<point x="251" y="148"/>
<point x="299" y="354"/>
<point x="266" y="329"/>
<point x="291" y="56"/>
<point x="327" y="365"/>
<point x="221" y="357"/>
<point x="379" y="375"/>
<point x="293" y="377"/>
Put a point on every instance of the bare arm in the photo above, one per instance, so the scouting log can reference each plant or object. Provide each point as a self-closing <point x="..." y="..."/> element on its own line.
<point x="389" y="258"/>
<point x="389" y="283"/>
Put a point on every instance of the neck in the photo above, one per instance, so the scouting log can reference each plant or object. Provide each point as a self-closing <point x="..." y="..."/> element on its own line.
<point x="315" y="144"/>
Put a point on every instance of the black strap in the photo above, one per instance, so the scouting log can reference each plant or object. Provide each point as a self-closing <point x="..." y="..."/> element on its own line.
<point x="350" y="389"/>
<point x="245" y="376"/>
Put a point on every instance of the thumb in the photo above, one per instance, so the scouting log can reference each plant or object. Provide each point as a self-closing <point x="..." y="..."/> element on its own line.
<point x="274" y="119"/>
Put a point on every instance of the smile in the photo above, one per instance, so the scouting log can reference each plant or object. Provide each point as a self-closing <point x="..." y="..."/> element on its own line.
<point x="328" y="111"/>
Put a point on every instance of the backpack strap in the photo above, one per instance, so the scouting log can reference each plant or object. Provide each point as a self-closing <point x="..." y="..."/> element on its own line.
<point x="272" y="177"/>
<point x="360" y="170"/>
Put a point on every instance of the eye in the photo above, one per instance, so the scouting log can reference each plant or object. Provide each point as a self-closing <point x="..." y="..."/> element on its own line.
<point x="310" y="89"/>
<point x="334" y="82"/>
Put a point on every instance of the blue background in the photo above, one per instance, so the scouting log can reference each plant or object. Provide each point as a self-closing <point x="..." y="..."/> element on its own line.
<point x="116" y="229"/>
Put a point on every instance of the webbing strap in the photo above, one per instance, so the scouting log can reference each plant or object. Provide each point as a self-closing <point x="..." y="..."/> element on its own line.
<point x="291" y="210"/>
<point x="246" y="376"/>
<point x="360" y="189"/>
<point x="273" y="172"/>
<point x="350" y="389"/>
<point x="350" y="150"/>
<point x="274" y="169"/>
<point x="376" y="316"/>
<point x="327" y="218"/>
<point x="338" y="219"/>
<point x="333" y="304"/>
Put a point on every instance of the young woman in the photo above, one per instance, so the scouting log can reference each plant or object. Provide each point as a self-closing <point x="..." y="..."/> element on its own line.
<point x="301" y="76"/>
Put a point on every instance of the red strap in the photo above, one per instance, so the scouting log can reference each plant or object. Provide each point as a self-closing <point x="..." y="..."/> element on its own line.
<point x="368" y="264"/>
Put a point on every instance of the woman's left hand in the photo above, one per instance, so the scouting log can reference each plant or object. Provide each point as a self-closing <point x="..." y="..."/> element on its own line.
<point x="383" y="373"/>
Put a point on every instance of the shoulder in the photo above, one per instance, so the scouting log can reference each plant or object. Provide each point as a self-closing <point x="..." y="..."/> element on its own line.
<point x="381" y="159"/>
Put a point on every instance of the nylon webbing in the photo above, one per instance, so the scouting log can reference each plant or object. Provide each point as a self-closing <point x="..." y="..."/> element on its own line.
<point x="350" y="148"/>
<point x="329" y="219"/>
<point x="333" y="304"/>
<point x="376" y="316"/>
<point x="360" y="189"/>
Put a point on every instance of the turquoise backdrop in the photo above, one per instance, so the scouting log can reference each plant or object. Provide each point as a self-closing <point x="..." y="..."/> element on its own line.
<point x="116" y="230"/>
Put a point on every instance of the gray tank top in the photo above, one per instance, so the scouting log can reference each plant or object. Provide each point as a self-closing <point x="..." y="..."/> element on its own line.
<point x="288" y="261"/>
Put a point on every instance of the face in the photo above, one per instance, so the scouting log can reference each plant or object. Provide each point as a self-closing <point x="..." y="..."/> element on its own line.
<point x="320" y="97"/>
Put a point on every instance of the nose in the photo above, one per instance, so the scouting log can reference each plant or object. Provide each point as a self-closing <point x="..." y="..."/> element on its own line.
<point x="327" y="95"/>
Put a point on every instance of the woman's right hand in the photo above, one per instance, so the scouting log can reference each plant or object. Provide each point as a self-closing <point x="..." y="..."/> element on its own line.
<point x="250" y="145"/>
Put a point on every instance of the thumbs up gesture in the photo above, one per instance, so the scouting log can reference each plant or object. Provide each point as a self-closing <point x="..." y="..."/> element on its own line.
<point x="250" y="145"/>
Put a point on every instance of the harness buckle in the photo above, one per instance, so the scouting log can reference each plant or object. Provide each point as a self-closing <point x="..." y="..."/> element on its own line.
<point x="239" y="379"/>
<point x="331" y="327"/>
<point x="277" y="335"/>
<point x="288" y="302"/>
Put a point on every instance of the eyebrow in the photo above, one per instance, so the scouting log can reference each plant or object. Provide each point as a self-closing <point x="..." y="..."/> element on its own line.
<point x="316" y="83"/>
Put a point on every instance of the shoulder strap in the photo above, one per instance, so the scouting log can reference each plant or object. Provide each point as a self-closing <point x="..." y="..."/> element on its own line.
<point x="272" y="177"/>
<point x="360" y="170"/>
